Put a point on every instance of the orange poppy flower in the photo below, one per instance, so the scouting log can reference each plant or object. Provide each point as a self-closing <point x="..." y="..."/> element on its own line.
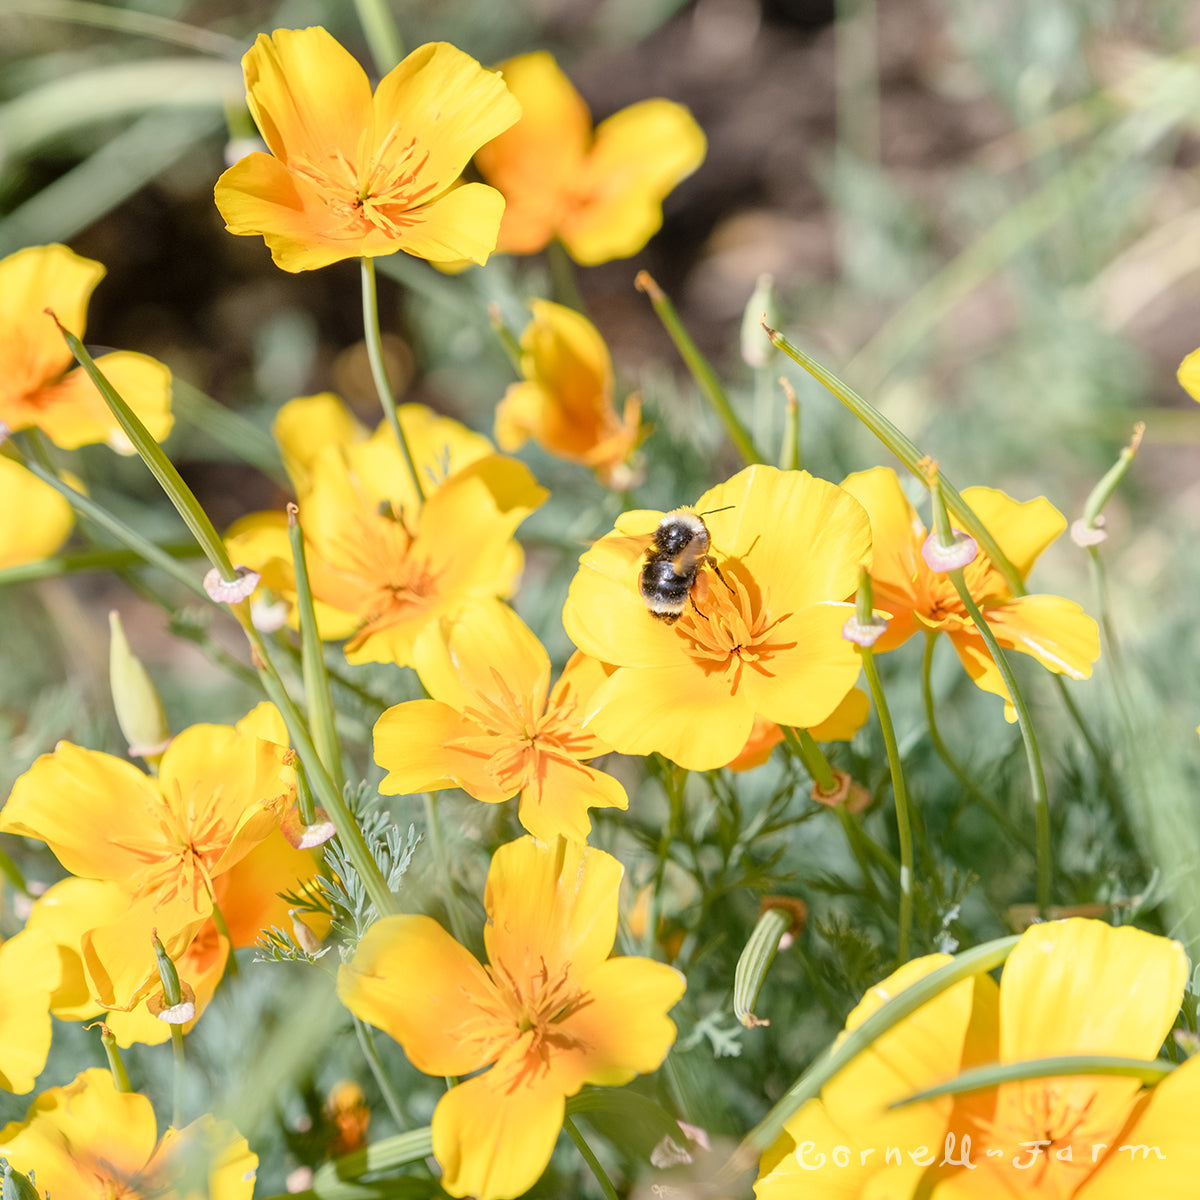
<point x="1057" y="632"/>
<point x="88" y="1139"/>
<point x="565" y="402"/>
<point x="495" y="728"/>
<point x="351" y="174"/>
<point x="764" y="640"/>
<point x="1074" y="987"/>
<point x="220" y="791"/>
<point x="40" y="385"/>
<point x="599" y="191"/>
<point x="550" y="1013"/>
<point x="46" y="517"/>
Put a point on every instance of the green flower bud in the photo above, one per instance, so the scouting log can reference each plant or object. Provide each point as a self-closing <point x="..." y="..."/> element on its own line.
<point x="139" y="710"/>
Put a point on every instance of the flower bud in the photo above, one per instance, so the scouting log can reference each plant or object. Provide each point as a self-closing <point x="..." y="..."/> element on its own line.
<point x="139" y="710"/>
<point x="757" y="349"/>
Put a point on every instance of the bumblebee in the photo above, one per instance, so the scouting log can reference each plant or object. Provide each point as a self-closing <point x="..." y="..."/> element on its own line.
<point x="673" y="560"/>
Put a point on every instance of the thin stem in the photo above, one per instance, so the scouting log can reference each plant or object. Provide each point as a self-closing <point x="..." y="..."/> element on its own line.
<point x="383" y="38"/>
<point x="142" y="547"/>
<point x="1037" y="776"/>
<point x="952" y="764"/>
<point x="590" y="1158"/>
<point x="900" y="791"/>
<point x="316" y="682"/>
<point x="331" y="799"/>
<point x="458" y="922"/>
<point x="177" y="1090"/>
<point x="116" y="1064"/>
<point x="366" y="1042"/>
<point x="810" y="754"/>
<point x="702" y="373"/>
<point x="563" y="283"/>
<point x="99" y="559"/>
<point x="374" y="340"/>
<point x="906" y="451"/>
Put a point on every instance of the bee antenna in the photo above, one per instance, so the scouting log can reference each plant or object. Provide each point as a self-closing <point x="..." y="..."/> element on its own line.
<point x="708" y="512"/>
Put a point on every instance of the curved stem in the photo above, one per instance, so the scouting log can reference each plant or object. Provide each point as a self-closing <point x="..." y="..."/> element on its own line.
<point x="900" y="791"/>
<point x="1037" y="776"/>
<point x="458" y="924"/>
<point x="952" y="764"/>
<point x="810" y="754"/>
<point x="374" y="340"/>
<point x="590" y="1158"/>
<point x="366" y="1042"/>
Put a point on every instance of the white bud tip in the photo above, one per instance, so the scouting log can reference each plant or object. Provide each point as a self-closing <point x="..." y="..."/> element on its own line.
<point x="864" y="634"/>
<point x="178" y="1014"/>
<point x="118" y="440"/>
<point x="5" y="432"/>
<point x="1083" y="534"/>
<point x="960" y="553"/>
<point x="231" y="591"/>
<point x="668" y="1153"/>
<point x="695" y="1134"/>
<point x="143" y="750"/>
<point x="268" y="616"/>
<point x="305" y="837"/>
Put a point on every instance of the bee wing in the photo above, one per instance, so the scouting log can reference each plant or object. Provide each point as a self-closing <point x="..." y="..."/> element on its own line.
<point x="626" y="546"/>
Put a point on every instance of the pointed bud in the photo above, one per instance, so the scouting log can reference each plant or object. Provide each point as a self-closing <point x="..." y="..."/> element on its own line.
<point x="172" y="993"/>
<point x="139" y="710"/>
<point x="757" y="349"/>
<point x="302" y="935"/>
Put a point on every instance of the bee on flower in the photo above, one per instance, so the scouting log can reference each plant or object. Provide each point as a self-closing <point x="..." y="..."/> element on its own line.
<point x="762" y="639"/>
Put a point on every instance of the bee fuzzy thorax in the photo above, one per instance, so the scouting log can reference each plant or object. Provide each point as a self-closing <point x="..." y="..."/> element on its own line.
<point x="673" y="561"/>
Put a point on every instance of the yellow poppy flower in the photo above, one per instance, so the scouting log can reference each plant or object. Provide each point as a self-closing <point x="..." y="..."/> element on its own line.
<point x="1189" y="374"/>
<point x="351" y="174"/>
<point x="40" y="386"/>
<point x="550" y="1013"/>
<point x="767" y="641"/>
<point x="565" y="402"/>
<point x="599" y="191"/>
<point x="220" y="791"/>
<point x="495" y="728"/>
<point x="840" y="726"/>
<point x="87" y="1139"/>
<point x="29" y="974"/>
<point x="382" y="566"/>
<point x="246" y="894"/>
<point x="1069" y="987"/>
<point x="1055" y="631"/>
<point x="46" y="517"/>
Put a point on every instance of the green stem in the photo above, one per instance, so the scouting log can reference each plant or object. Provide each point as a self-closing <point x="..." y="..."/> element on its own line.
<point x="116" y="1064"/>
<point x="366" y="1042"/>
<point x="89" y="560"/>
<point x="505" y="336"/>
<point x="458" y="921"/>
<point x="590" y="1158"/>
<point x="144" y="549"/>
<point x="702" y="373"/>
<point x="952" y="764"/>
<point x="810" y="754"/>
<point x="374" y="340"/>
<point x="218" y="918"/>
<point x="177" y="1089"/>
<point x="900" y="791"/>
<point x="161" y="467"/>
<point x="862" y="848"/>
<point x="331" y="799"/>
<point x="906" y="451"/>
<point x="383" y="38"/>
<point x="1037" y="777"/>
<point x="316" y="681"/>
<point x="563" y="283"/>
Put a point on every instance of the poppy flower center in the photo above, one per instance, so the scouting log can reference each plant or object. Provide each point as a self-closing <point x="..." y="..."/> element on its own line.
<point x="730" y="625"/>
<point x="540" y="1006"/>
<point x="517" y="731"/>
